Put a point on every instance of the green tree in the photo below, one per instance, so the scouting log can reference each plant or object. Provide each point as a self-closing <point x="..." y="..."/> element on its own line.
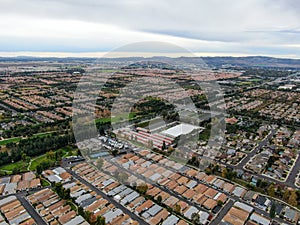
<point x="88" y="215"/>
<point x="100" y="220"/>
<point x="271" y="190"/>
<point x="279" y="191"/>
<point x="196" y="218"/>
<point x="39" y="169"/>
<point x="258" y="183"/>
<point x="293" y="198"/>
<point x="264" y="184"/>
<point x="66" y="194"/>
<point x="81" y="211"/>
<point x="142" y="188"/>
<point x="220" y="203"/>
<point x="99" y="163"/>
<point x="159" y="199"/>
<point x="23" y="156"/>
<point x="123" y="177"/>
<point x="115" y="152"/>
<point x="16" y="170"/>
<point x="273" y="211"/>
<point x="224" y="173"/>
<point x="207" y="171"/>
<point x="50" y="155"/>
<point x="177" y="208"/>
<point x="58" y="188"/>
<point x="286" y="195"/>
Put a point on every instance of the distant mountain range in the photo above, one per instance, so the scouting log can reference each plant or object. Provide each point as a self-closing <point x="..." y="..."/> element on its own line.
<point x="218" y="62"/>
<point x="253" y="61"/>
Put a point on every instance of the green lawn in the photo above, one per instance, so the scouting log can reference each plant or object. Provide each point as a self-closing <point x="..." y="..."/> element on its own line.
<point x="255" y="80"/>
<point x="23" y="165"/>
<point x="11" y="140"/>
<point x="73" y="206"/>
<point x="69" y="151"/>
<point x="36" y="161"/>
<point x="45" y="183"/>
<point x="245" y="83"/>
<point x="110" y="71"/>
<point x="17" y="139"/>
<point x="116" y="118"/>
<point x="10" y="167"/>
<point x="66" y="151"/>
<point x="43" y="134"/>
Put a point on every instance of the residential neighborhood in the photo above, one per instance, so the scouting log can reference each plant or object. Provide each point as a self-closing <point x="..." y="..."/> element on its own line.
<point x="163" y="162"/>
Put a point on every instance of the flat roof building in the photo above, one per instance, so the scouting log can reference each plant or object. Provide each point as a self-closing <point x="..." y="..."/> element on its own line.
<point x="180" y="129"/>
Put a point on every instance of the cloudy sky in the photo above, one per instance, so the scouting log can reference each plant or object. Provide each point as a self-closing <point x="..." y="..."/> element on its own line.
<point x="205" y="27"/>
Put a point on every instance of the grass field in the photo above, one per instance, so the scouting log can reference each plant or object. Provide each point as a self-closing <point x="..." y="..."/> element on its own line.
<point x="23" y="165"/>
<point x="245" y="83"/>
<point x="69" y="151"/>
<point x="66" y="151"/>
<point x="11" y="140"/>
<point x="17" y="165"/>
<point x="255" y="80"/>
<point x="110" y="71"/>
<point x="43" y="134"/>
<point x="9" y="168"/>
<point x="36" y="161"/>
<point x="45" y="183"/>
<point x="115" y="119"/>
<point x="17" y="139"/>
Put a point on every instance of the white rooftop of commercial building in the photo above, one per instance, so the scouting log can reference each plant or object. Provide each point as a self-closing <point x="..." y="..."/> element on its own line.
<point x="180" y="129"/>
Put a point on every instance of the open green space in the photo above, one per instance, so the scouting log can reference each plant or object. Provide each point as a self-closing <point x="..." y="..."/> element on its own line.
<point x="23" y="166"/>
<point x="17" y="139"/>
<point x="43" y="134"/>
<point x="110" y="70"/>
<point x="245" y="83"/>
<point x="255" y="80"/>
<point x="36" y="161"/>
<point x="9" y="168"/>
<point x="45" y="183"/>
<point x="10" y="140"/>
<point x="116" y="118"/>
<point x="69" y="151"/>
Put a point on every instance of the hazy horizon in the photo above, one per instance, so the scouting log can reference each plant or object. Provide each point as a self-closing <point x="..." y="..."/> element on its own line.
<point x="132" y="54"/>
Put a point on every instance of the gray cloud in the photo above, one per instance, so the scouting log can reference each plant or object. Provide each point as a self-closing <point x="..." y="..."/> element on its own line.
<point x="246" y="23"/>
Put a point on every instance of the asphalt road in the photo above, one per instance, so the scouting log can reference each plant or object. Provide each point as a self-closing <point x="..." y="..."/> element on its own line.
<point x="8" y="108"/>
<point x="38" y="219"/>
<point x="231" y="198"/>
<point x="162" y="188"/>
<point x="254" y="151"/>
<point x="290" y="181"/>
<point x="222" y="213"/>
<point x="111" y="200"/>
